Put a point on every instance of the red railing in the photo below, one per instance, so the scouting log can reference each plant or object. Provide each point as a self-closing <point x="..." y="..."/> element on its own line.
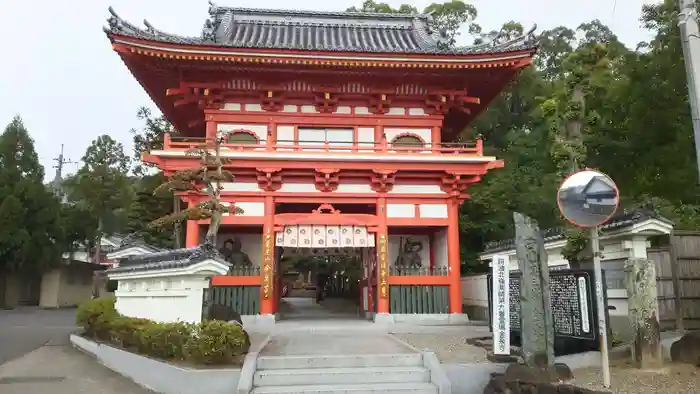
<point x="449" y="148"/>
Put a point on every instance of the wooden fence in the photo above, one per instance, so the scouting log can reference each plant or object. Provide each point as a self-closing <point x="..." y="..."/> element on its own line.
<point x="678" y="281"/>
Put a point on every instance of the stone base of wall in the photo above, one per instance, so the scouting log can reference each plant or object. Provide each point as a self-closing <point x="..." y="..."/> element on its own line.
<point x="422" y="319"/>
<point x="480" y="313"/>
<point x="159" y="376"/>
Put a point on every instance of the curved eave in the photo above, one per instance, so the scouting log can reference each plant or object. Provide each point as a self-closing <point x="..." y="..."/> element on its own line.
<point x="154" y="48"/>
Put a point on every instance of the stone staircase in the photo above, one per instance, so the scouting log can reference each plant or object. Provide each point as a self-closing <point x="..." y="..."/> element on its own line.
<point x="348" y="374"/>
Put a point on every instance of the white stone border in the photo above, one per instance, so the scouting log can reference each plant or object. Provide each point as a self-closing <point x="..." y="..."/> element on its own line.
<point x="423" y="319"/>
<point x="159" y="376"/>
<point x="250" y="365"/>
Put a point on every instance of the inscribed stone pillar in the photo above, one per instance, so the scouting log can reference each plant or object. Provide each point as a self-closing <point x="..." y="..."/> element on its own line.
<point x="641" y="292"/>
<point x="536" y="320"/>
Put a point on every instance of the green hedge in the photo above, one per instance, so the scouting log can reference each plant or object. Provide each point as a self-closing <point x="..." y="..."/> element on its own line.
<point x="210" y="342"/>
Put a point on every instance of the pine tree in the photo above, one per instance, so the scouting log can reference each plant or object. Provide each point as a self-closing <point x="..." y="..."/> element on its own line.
<point x="145" y="208"/>
<point x="31" y="234"/>
<point x="207" y="179"/>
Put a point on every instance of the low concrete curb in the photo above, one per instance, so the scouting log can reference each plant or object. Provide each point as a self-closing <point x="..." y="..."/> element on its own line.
<point x="159" y="376"/>
<point x="250" y="365"/>
<point x="439" y="319"/>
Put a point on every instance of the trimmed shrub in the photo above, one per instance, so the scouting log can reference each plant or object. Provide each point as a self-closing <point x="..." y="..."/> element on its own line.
<point x="210" y="342"/>
<point x="216" y="342"/>
<point x="165" y="340"/>
<point x="96" y="316"/>
<point x="126" y="332"/>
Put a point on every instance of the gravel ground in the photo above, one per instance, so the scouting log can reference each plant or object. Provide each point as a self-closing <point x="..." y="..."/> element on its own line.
<point x="449" y="348"/>
<point x="452" y="348"/>
<point x="628" y="380"/>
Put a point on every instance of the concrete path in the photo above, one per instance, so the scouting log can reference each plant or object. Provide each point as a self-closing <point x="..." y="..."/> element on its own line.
<point x="25" y="329"/>
<point x="60" y="369"/>
<point x="36" y="357"/>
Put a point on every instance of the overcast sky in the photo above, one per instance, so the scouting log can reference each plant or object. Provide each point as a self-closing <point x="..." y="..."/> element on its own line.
<point x="60" y="74"/>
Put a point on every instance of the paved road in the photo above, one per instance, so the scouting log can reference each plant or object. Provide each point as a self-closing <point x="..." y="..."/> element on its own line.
<point x="36" y="357"/>
<point x="25" y="329"/>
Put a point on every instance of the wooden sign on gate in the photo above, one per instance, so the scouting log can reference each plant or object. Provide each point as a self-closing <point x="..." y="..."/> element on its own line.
<point x="383" y="268"/>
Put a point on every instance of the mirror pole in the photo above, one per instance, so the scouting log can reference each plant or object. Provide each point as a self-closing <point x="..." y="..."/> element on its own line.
<point x="600" y="298"/>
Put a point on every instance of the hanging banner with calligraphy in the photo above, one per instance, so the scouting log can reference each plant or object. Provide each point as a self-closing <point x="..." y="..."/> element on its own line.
<point x="268" y="265"/>
<point x="501" y="305"/>
<point x="325" y="237"/>
<point x="383" y="267"/>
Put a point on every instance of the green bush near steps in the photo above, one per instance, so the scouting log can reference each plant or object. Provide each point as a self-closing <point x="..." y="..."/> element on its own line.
<point x="210" y="342"/>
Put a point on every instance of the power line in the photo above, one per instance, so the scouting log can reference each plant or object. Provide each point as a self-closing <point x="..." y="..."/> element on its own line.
<point x="59" y="167"/>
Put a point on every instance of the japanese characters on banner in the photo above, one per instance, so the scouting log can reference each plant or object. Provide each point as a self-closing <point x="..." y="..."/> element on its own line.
<point x="267" y="263"/>
<point x="501" y="306"/>
<point x="322" y="236"/>
<point x="383" y="268"/>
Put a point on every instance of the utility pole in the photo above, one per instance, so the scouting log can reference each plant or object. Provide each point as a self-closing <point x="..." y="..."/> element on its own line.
<point x="690" y="39"/>
<point x="59" y="167"/>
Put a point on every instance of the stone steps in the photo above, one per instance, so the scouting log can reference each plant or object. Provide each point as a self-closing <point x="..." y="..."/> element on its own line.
<point x="375" y="388"/>
<point x="350" y="374"/>
<point x="339" y="361"/>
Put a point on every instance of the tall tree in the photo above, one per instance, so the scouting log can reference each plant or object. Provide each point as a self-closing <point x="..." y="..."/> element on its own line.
<point x="206" y="178"/>
<point x="149" y="137"/>
<point x="102" y="184"/>
<point x="448" y="17"/>
<point x="147" y="207"/>
<point x="31" y="235"/>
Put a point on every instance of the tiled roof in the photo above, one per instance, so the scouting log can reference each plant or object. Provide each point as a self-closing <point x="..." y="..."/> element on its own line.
<point x="618" y="221"/>
<point x="177" y="258"/>
<point x="318" y="31"/>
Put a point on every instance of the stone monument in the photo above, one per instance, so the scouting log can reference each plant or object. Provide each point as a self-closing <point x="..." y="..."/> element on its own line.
<point x="640" y="278"/>
<point x="537" y="325"/>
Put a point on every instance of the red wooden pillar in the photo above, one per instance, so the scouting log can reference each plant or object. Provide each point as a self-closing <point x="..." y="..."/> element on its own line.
<point x="192" y="234"/>
<point x="382" y="243"/>
<point x="267" y="265"/>
<point x="453" y="258"/>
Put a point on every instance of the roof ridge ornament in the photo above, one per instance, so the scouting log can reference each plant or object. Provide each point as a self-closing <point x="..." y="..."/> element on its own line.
<point x="213" y="8"/>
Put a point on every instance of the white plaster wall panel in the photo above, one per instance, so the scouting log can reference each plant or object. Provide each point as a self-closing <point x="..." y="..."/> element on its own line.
<point x="251" y="208"/>
<point x="416" y="189"/>
<point x="475" y="291"/>
<point x="309" y="109"/>
<point x="396" y="242"/>
<point x="285" y="136"/>
<point x="440" y="245"/>
<point x="354" y="188"/>
<point x="365" y="139"/>
<point x="180" y="300"/>
<point x="433" y="211"/>
<point x="298" y="188"/>
<point x="361" y="111"/>
<point x="400" y="210"/>
<point x="392" y="133"/>
<point x="396" y="111"/>
<point x="343" y="110"/>
<point x="240" y="187"/>
<point x="253" y="107"/>
<point x="260" y="130"/>
<point x="340" y="138"/>
<point x="232" y="107"/>
<point x="416" y="111"/>
<point x="290" y="108"/>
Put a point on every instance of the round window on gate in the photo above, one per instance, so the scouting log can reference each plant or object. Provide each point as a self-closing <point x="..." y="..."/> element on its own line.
<point x="407" y="140"/>
<point x="242" y="137"/>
